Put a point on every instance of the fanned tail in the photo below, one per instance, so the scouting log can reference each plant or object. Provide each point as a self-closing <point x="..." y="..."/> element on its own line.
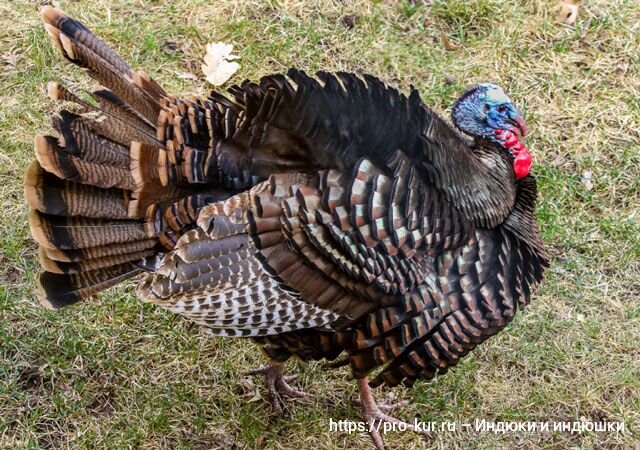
<point x="101" y="213"/>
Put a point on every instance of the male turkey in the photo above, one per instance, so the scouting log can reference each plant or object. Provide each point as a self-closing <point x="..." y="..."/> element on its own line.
<point x="320" y="216"/>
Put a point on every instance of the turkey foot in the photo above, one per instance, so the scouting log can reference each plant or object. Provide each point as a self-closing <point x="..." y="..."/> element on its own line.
<point x="376" y="414"/>
<point x="277" y="386"/>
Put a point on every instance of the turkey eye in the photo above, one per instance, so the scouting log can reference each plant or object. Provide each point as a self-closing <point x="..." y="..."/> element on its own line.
<point x="502" y="109"/>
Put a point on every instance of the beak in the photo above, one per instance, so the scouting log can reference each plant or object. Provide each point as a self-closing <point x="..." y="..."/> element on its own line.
<point x="519" y="125"/>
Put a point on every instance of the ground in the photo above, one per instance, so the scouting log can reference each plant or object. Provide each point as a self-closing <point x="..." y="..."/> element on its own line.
<point x="119" y="374"/>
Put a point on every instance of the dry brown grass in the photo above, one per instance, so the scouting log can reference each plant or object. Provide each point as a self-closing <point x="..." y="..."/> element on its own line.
<point x="115" y="373"/>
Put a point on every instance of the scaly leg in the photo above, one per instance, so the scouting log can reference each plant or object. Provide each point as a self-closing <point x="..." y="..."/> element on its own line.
<point x="376" y="414"/>
<point x="277" y="385"/>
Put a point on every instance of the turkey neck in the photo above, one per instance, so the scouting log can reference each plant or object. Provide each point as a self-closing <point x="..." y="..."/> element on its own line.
<point x="486" y="190"/>
<point x="498" y="164"/>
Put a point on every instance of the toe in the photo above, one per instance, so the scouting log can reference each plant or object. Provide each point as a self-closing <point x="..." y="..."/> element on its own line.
<point x="285" y="389"/>
<point x="374" y="432"/>
<point x="390" y="407"/>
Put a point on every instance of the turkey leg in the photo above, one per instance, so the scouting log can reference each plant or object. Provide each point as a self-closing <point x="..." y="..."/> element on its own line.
<point x="277" y="385"/>
<point x="376" y="414"/>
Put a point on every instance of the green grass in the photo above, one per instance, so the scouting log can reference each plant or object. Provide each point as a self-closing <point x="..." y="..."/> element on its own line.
<point x="116" y="373"/>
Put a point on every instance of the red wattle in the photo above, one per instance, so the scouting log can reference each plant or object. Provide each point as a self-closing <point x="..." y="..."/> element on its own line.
<point x="523" y="161"/>
<point x="522" y="164"/>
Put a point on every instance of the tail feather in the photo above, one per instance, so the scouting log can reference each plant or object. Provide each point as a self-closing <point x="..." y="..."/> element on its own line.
<point x="73" y="29"/>
<point x="111" y="104"/>
<point x="81" y="47"/>
<point x="67" y="233"/>
<point x="59" y="290"/>
<point x="57" y="92"/>
<point x="81" y="141"/>
<point x="85" y="265"/>
<point x="149" y="189"/>
<point x="49" y="194"/>
<point x="90" y="253"/>
<point x="54" y="158"/>
<point x="118" y="122"/>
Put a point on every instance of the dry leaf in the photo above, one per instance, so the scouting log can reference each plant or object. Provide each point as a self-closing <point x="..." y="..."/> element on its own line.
<point x="256" y="397"/>
<point x="218" y="64"/>
<point x="559" y="160"/>
<point x="586" y="180"/>
<point x="568" y="11"/>
<point x="10" y="58"/>
<point x="446" y="42"/>
<point x="247" y="383"/>
<point x="251" y="391"/>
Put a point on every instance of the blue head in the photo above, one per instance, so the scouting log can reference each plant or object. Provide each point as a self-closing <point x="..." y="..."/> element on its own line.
<point x="486" y="111"/>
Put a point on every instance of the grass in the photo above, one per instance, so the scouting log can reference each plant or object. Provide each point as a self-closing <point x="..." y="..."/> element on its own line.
<point x="114" y="373"/>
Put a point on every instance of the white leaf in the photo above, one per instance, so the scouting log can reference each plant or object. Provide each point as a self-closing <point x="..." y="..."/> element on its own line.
<point x="586" y="180"/>
<point x="218" y="64"/>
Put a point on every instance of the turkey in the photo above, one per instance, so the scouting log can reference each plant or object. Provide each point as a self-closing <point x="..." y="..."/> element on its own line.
<point x="327" y="218"/>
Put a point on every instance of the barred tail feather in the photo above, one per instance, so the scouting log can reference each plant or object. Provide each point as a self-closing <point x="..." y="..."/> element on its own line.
<point x="49" y="194"/>
<point x="90" y="253"/>
<point x="59" y="290"/>
<point x="87" y="264"/>
<point x="109" y="192"/>
<point x="81" y="47"/>
<point x="62" y="163"/>
<point x="84" y="180"/>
